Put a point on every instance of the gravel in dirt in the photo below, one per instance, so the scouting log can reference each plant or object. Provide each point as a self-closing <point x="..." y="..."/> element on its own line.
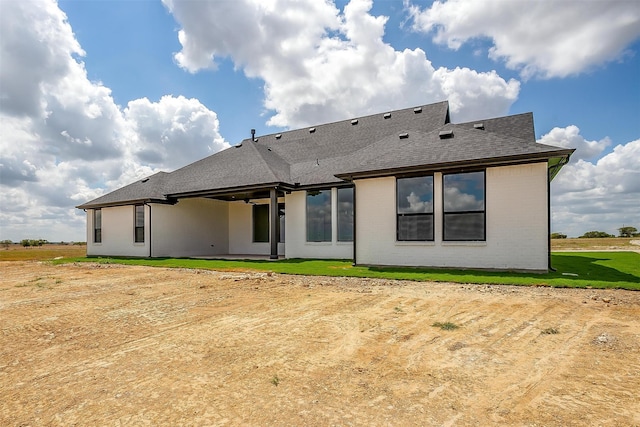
<point x="89" y="344"/>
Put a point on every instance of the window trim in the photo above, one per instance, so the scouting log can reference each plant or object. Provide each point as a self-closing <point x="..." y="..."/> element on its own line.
<point x="136" y="237"/>
<point x="421" y="214"/>
<point x="483" y="211"/>
<point x="97" y="231"/>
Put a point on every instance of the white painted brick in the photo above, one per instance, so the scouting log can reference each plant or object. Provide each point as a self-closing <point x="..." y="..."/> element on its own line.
<point x="516" y="212"/>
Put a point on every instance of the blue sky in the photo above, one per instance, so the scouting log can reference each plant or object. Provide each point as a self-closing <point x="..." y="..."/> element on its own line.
<point x="97" y="94"/>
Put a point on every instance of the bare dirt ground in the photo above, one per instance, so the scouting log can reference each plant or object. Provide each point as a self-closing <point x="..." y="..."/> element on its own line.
<point x="114" y="345"/>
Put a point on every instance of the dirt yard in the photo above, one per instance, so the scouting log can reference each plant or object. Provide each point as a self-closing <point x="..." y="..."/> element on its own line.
<point x="114" y="345"/>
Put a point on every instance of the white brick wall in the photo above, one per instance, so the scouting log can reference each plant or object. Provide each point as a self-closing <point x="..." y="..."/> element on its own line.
<point x="117" y="233"/>
<point x="192" y="227"/>
<point x="241" y="230"/>
<point x="296" y="229"/>
<point x="516" y="215"/>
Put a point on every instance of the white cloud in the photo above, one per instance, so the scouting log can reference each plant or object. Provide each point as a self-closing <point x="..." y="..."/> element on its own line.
<point x="64" y="140"/>
<point x="538" y="38"/>
<point x="601" y="196"/>
<point x="320" y="65"/>
<point x="455" y="200"/>
<point x="417" y="205"/>
<point x="173" y="132"/>
<point x="39" y="42"/>
<point x="570" y="137"/>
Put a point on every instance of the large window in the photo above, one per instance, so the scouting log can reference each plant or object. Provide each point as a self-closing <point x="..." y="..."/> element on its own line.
<point x="319" y="216"/>
<point x="261" y="223"/>
<point x="414" y="208"/>
<point x="345" y="214"/>
<point x="139" y="224"/>
<point x="464" y="207"/>
<point x="97" y="226"/>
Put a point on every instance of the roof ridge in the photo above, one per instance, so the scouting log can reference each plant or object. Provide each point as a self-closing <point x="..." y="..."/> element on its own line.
<point x="494" y="118"/>
<point x="412" y="108"/>
<point x="262" y="158"/>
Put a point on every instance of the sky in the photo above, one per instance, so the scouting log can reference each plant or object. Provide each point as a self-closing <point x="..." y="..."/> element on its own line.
<point x="97" y="94"/>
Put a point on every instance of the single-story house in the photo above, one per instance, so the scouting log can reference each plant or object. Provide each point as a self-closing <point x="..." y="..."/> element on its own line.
<point x="401" y="188"/>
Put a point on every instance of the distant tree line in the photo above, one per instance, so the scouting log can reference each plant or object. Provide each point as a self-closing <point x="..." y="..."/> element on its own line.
<point x="36" y="242"/>
<point x="595" y="235"/>
<point x="33" y="242"/>
<point x="622" y="232"/>
<point x="628" y="232"/>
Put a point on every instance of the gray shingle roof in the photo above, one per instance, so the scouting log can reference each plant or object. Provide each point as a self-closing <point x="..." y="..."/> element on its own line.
<point x="517" y="126"/>
<point x="427" y="151"/>
<point x="368" y="146"/>
<point x="152" y="188"/>
<point x="343" y="138"/>
<point x="244" y="165"/>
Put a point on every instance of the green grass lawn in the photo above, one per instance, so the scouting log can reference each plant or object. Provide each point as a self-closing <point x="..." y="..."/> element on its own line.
<point x="574" y="269"/>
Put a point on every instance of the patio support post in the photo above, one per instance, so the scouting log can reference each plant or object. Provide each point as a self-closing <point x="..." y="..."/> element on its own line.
<point x="273" y="229"/>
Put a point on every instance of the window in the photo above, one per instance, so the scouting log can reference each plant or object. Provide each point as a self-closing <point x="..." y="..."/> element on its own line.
<point x="139" y="224"/>
<point x="319" y="216"/>
<point x="414" y="208"/>
<point x="464" y="207"/>
<point x="345" y="214"/>
<point x="97" y="226"/>
<point x="261" y="223"/>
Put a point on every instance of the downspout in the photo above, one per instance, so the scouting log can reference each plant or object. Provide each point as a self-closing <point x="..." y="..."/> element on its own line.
<point x="354" y="224"/>
<point x="150" y="229"/>
<point x="273" y="229"/>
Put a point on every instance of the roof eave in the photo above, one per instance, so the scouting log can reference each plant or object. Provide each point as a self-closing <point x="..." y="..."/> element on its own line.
<point x="231" y="190"/>
<point x="166" y="201"/>
<point x="464" y="164"/>
<point x="561" y="160"/>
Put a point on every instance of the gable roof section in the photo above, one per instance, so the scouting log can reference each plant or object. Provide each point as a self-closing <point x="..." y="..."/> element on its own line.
<point x="343" y="138"/>
<point x="517" y="126"/>
<point x="242" y="166"/>
<point x="427" y="151"/>
<point x="331" y="153"/>
<point x="146" y="190"/>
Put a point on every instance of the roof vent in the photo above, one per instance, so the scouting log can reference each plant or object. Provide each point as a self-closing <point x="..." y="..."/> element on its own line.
<point x="404" y="135"/>
<point x="354" y="121"/>
<point x="238" y="146"/>
<point x="312" y="130"/>
<point x="278" y="136"/>
<point x="387" y="115"/>
<point x="417" y="110"/>
<point x="253" y="135"/>
<point x="479" y="126"/>
<point x="144" y="180"/>
<point x="446" y="134"/>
